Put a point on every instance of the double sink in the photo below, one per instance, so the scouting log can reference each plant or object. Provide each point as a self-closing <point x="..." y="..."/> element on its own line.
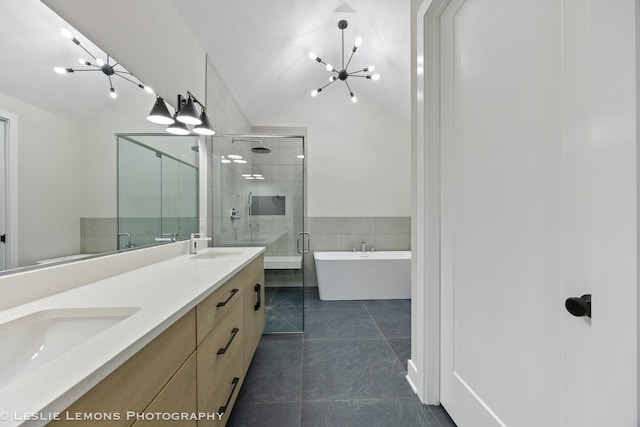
<point x="33" y="340"/>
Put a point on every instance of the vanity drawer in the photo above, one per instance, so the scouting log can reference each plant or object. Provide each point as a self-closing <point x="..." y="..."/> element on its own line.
<point x="177" y="397"/>
<point x="225" y="393"/>
<point x="212" y="309"/>
<point x="215" y="353"/>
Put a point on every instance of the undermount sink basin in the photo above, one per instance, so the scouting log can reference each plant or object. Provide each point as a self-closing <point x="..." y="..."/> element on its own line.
<point x="218" y="254"/>
<point x="33" y="340"/>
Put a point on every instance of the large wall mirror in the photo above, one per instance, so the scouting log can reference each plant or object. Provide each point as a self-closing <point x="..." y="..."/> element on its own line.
<point x="60" y="133"/>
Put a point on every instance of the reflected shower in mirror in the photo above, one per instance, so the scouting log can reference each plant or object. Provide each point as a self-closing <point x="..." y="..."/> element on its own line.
<point x="157" y="189"/>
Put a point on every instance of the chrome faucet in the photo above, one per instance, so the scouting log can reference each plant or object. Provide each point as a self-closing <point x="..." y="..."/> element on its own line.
<point x="193" y="242"/>
<point x="128" y="236"/>
<point x="363" y="246"/>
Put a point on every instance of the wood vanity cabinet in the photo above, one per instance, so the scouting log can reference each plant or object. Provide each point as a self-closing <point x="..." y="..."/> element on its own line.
<point x="221" y="373"/>
<point x="253" y="307"/>
<point x="195" y="366"/>
<point x="137" y="382"/>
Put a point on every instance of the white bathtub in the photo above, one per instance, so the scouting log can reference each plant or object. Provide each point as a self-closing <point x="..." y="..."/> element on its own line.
<point x="363" y="275"/>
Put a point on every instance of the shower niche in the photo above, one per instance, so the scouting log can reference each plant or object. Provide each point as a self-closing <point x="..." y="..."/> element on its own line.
<point x="261" y="179"/>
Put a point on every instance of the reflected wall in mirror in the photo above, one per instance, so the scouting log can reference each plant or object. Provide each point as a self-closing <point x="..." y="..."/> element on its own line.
<point x="62" y="167"/>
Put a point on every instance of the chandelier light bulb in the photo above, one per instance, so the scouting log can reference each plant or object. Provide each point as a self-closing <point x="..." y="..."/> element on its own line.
<point x="112" y="93"/>
<point x="370" y="68"/>
<point x="314" y="92"/>
<point x="358" y="42"/>
<point x="333" y="78"/>
<point x="100" y="62"/>
<point x="66" y="33"/>
<point x="60" y="70"/>
<point x="148" y="89"/>
<point x="329" y="67"/>
<point x="375" y="77"/>
<point x="353" y="98"/>
<point x="313" y="56"/>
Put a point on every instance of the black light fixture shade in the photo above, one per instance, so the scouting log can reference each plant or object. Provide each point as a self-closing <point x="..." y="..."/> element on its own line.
<point x="160" y="113"/>
<point x="187" y="113"/>
<point x="205" y="127"/>
<point x="178" y="128"/>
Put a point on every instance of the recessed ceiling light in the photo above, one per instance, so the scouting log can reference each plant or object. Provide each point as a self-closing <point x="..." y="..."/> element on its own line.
<point x="239" y="161"/>
<point x="234" y="156"/>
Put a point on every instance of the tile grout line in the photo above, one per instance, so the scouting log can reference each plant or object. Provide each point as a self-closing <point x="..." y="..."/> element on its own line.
<point x="384" y="337"/>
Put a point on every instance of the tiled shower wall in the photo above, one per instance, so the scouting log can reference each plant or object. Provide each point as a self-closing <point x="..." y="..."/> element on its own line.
<point x="346" y="233"/>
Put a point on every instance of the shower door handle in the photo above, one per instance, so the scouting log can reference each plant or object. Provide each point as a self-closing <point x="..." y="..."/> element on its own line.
<point x="303" y="250"/>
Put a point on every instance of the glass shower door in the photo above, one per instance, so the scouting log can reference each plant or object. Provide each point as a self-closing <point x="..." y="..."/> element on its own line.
<point x="258" y="200"/>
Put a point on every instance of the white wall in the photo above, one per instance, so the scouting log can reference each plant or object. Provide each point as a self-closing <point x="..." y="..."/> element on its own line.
<point x="50" y="182"/>
<point x="358" y="156"/>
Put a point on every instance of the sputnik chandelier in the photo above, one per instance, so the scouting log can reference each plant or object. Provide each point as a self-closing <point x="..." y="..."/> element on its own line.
<point x="343" y="74"/>
<point x="107" y="68"/>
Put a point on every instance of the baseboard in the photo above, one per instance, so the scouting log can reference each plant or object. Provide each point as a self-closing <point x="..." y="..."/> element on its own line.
<point x="412" y="376"/>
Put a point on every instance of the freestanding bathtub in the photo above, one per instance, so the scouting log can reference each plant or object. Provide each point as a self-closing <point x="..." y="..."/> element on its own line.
<point x="363" y="275"/>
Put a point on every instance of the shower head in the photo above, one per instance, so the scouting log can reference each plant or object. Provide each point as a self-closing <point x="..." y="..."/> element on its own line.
<point x="260" y="149"/>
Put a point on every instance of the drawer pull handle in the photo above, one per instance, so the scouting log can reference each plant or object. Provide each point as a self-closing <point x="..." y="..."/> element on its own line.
<point x="223" y="409"/>
<point x="258" y="303"/>
<point x="223" y="303"/>
<point x="223" y="350"/>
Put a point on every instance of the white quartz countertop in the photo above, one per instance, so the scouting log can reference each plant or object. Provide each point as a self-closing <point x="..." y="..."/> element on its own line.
<point x="161" y="293"/>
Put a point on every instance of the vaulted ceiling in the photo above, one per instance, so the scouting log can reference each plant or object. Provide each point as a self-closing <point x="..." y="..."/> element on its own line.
<point x="260" y="48"/>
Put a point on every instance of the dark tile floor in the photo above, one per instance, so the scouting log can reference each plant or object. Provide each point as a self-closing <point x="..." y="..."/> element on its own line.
<point x="283" y="309"/>
<point x="347" y="370"/>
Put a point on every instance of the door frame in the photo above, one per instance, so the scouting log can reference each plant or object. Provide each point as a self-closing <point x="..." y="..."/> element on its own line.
<point x="11" y="187"/>
<point x="424" y="365"/>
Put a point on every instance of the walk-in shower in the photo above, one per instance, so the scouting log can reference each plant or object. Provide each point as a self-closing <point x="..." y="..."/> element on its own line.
<point x="257" y="199"/>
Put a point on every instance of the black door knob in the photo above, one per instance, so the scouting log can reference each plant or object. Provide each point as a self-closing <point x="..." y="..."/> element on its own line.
<point x="579" y="307"/>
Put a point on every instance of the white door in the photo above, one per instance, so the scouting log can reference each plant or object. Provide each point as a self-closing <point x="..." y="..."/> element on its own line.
<point x="538" y="199"/>
<point x="3" y="207"/>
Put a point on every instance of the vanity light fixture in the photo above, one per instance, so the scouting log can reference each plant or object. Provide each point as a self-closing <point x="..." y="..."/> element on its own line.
<point x="187" y="113"/>
<point x="108" y="69"/>
<point x="343" y="74"/>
